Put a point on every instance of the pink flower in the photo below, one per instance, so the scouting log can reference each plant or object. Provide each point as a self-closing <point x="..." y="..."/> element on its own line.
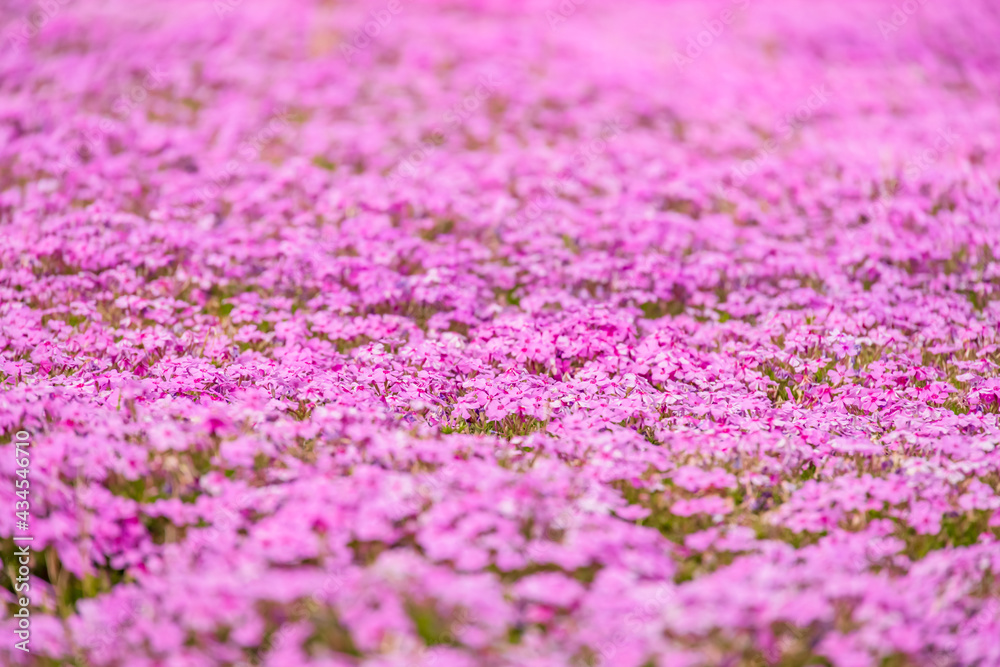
<point x="549" y="588"/>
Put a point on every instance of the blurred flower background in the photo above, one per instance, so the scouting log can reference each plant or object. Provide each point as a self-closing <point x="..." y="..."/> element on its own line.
<point x="501" y="333"/>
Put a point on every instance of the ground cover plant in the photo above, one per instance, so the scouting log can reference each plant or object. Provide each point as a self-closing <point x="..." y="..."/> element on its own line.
<point x="500" y="333"/>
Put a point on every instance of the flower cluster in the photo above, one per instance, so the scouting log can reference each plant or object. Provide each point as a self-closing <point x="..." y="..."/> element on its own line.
<point x="643" y="365"/>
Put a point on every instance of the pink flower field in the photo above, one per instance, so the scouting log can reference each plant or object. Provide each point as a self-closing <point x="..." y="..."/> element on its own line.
<point x="501" y="333"/>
